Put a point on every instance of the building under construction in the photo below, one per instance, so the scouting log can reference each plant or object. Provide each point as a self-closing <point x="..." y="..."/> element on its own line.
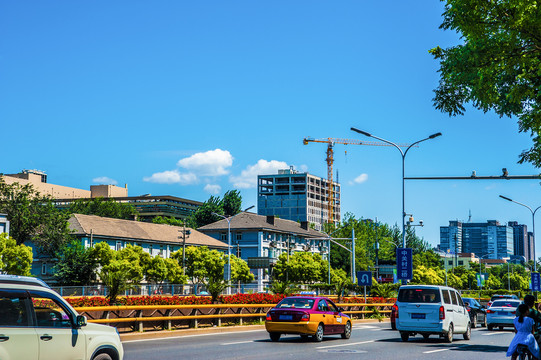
<point x="299" y="197"/>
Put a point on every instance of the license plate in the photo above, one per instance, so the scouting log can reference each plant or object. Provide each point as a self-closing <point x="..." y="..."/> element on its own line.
<point x="503" y="313"/>
<point x="286" y="317"/>
<point x="418" y="316"/>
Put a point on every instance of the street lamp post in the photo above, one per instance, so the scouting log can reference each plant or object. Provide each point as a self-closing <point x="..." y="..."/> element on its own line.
<point x="403" y="153"/>
<point x="228" y="219"/>
<point x="533" y="227"/>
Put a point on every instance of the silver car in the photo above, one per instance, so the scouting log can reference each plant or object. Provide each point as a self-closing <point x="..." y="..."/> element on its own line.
<point x="502" y="313"/>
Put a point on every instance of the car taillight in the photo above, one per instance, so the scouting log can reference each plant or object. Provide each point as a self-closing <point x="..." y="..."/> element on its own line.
<point x="469" y="309"/>
<point x="305" y="317"/>
<point x="490" y="311"/>
<point x="269" y="318"/>
<point x="513" y="312"/>
<point x="395" y="311"/>
<point x="442" y="313"/>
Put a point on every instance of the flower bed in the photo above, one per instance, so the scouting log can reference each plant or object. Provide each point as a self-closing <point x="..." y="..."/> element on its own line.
<point x="84" y="301"/>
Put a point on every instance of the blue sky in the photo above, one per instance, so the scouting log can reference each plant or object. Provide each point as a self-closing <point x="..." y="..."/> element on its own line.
<point x="196" y="98"/>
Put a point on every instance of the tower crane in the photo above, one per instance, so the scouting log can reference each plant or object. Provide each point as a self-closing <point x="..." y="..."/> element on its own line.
<point x="330" y="160"/>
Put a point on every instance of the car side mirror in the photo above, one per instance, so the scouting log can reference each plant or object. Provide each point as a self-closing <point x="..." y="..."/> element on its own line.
<point x="80" y="321"/>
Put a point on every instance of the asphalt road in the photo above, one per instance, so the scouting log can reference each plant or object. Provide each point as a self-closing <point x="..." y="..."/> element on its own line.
<point x="368" y="341"/>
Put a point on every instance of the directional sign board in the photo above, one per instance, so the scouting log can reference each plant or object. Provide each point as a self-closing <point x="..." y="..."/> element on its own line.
<point x="404" y="264"/>
<point x="536" y="282"/>
<point x="364" y="278"/>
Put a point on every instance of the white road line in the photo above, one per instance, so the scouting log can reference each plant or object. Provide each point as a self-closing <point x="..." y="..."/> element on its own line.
<point x="365" y="327"/>
<point x="495" y="333"/>
<point x="348" y="344"/>
<point x="238" y="342"/>
<point x="189" y="336"/>
<point x="433" y="351"/>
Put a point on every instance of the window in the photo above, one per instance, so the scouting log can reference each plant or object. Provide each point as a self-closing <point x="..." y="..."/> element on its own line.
<point x="49" y="312"/>
<point x="453" y="298"/>
<point x="223" y="236"/>
<point x="13" y="310"/>
<point x="419" y="295"/>
<point x="446" y="297"/>
<point x="118" y="246"/>
<point x="239" y="236"/>
<point x="322" y="306"/>
<point x="450" y="262"/>
<point x="43" y="269"/>
<point x="460" y="262"/>
<point x="459" y="299"/>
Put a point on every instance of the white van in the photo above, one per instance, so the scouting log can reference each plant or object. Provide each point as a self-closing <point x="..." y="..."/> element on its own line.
<point x="431" y="309"/>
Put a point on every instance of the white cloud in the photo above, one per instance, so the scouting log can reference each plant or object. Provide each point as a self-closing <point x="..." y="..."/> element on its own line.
<point x="213" y="189"/>
<point x="359" y="179"/>
<point x="209" y="163"/>
<point x="104" y="180"/>
<point x="172" y="177"/>
<point x="248" y="177"/>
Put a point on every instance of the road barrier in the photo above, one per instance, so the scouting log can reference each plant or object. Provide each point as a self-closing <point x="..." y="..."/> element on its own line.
<point x="169" y="317"/>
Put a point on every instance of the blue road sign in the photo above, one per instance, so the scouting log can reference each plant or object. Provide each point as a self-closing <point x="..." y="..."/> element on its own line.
<point x="364" y="278"/>
<point x="404" y="264"/>
<point x="536" y="282"/>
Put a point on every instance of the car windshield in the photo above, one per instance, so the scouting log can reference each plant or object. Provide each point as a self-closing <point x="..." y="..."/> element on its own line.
<point x="419" y="295"/>
<point x="505" y="303"/>
<point x="296" y="303"/>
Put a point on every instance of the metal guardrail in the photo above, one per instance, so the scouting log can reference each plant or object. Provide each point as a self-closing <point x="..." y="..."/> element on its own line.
<point x="154" y="317"/>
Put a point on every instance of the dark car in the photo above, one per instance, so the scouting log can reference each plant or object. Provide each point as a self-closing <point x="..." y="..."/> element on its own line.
<point x="478" y="312"/>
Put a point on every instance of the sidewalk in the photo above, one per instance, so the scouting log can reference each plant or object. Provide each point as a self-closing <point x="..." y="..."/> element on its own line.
<point x="134" y="336"/>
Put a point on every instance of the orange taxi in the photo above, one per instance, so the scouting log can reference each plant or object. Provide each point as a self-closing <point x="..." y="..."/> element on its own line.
<point x="307" y="316"/>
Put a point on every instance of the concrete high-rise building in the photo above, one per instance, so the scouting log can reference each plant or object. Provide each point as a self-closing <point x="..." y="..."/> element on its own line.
<point x="523" y="246"/>
<point x="297" y="196"/>
<point x="489" y="240"/>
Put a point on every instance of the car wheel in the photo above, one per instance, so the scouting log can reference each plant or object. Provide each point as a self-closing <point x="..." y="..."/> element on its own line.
<point x="102" y="356"/>
<point x="318" y="336"/>
<point x="404" y="335"/>
<point x="274" y="336"/>
<point x="474" y="322"/>
<point x="347" y="331"/>
<point x="467" y="334"/>
<point x="484" y="324"/>
<point x="449" y="334"/>
<point x="426" y="336"/>
<point x="501" y="328"/>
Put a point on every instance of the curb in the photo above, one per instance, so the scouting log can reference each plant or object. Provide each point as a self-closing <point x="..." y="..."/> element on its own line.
<point x="163" y="334"/>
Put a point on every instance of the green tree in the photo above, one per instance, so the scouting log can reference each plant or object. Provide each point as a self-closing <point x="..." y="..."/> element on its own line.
<point x="14" y="259"/>
<point x="168" y="221"/>
<point x="156" y="271"/>
<point x="175" y="273"/>
<point x="76" y="265"/>
<point x="33" y="217"/>
<point x="240" y="270"/>
<point x="497" y="65"/>
<point x="103" y="207"/>
<point x="302" y="267"/>
<point x="204" y="214"/>
<point x="427" y="276"/>
<point x="232" y="203"/>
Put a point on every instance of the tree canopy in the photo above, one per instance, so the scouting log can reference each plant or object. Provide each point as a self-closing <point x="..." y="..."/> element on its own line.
<point x="497" y="67"/>
<point x="103" y="207"/>
<point x="14" y="259"/>
<point x="33" y="217"/>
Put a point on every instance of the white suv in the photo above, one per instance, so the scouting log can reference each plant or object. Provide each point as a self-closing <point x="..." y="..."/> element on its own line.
<point x="36" y="323"/>
<point x="431" y="309"/>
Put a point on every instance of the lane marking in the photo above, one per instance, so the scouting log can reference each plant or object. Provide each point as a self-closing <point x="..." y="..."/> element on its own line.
<point x="350" y="344"/>
<point x="494" y="333"/>
<point x="433" y="351"/>
<point x="190" y="336"/>
<point x="365" y="327"/>
<point x="238" y="342"/>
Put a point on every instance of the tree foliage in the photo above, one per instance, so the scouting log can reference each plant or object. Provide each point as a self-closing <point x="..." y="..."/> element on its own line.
<point x="103" y="207"/>
<point x="14" y="259"/>
<point x="497" y="67"/>
<point x="204" y="214"/>
<point x="33" y="217"/>
<point x="232" y="203"/>
<point x="76" y="265"/>
<point x="302" y="267"/>
<point x="168" y="221"/>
